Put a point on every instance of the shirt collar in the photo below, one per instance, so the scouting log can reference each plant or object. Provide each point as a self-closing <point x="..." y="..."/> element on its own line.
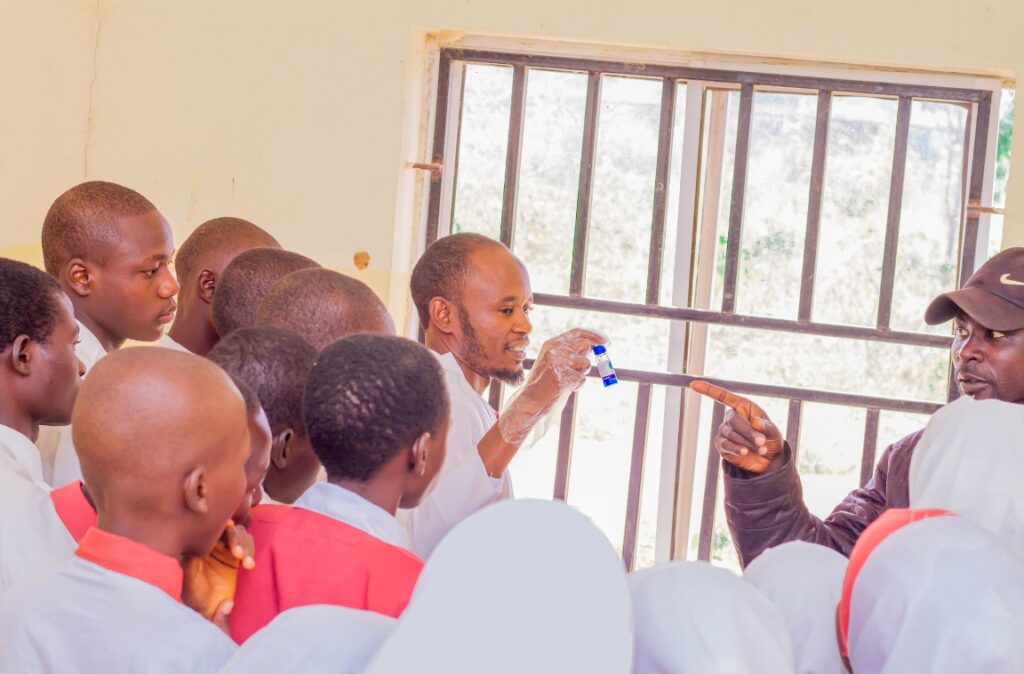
<point x="24" y="452"/>
<point x="89" y="349"/>
<point x="454" y="371"/>
<point x="131" y="558"/>
<point x="73" y="509"/>
<point x="168" y="342"/>
<point x="346" y="506"/>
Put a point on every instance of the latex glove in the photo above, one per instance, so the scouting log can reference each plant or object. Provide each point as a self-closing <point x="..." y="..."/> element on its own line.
<point x="561" y="368"/>
<point x="747" y="438"/>
<point x="210" y="581"/>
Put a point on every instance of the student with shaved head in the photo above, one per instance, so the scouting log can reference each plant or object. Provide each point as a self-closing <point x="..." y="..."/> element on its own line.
<point x="109" y="248"/>
<point x="39" y="381"/>
<point x="246" y="281"/>
<point x="276" y="364"/>
<point x="322" y="306"/>
<point x="116" y="604"/>
<point x="199" y="264"/>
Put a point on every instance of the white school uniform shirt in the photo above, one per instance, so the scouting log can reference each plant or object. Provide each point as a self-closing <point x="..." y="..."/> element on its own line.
<point x="522" y="586"/>
<point x="346" y="506"/>
<point x="166" y="342"/>
<point x="32" y="537"/>
<point x="315" y="639"/>
<point x="60" y="461"/>
<point x="969" y="461"/>
<point x="805" y="582"/>
<point x="939" y="596"/>
<point x="463" y="486"/>
<point x="87" y="617"/>
<point x="695" y="617"/>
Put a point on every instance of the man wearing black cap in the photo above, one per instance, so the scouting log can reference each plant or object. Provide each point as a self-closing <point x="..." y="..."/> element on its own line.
<point x="764" y="499"/>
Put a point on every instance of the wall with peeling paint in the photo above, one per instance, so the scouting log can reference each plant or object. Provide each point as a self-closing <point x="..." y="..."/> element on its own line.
<point x="301" y="115"/>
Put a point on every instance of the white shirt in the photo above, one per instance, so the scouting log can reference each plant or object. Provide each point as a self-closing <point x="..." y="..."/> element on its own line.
<point x="168" y="343"/>
<point x="346" y="506"/>
<point x="315" y="639"/>
<point x="32" y="537"/>
<point x="60" y="460"/>
<point x="83" y="617"/>
<point x="463" y="486"/>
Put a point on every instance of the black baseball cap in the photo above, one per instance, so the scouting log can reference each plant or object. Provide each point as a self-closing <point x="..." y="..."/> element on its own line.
<point x="993" y="296"/>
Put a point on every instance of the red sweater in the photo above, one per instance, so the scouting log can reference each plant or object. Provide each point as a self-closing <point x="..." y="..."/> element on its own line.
<point x="304" y="558"/>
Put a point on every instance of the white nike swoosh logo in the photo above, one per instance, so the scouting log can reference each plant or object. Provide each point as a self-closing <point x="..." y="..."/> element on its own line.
<point x="1007" y="281"/>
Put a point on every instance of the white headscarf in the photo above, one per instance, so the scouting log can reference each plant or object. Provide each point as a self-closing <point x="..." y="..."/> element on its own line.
<point x="970" y="461"/>
<point x="521" y="586"/>
<point x="940" y="596"/>
<point x="313" y="640"/>
<point x="694" y="618"/>
<point x="804" y="581"/>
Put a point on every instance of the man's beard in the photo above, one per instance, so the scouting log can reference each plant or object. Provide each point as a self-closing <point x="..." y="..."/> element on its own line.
<point x="473" y="354"/>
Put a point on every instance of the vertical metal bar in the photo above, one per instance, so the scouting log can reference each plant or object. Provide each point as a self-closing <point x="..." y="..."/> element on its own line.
<point x="707" y="513"/>
<point x="636" y="474"/>
<point x="579" y="244"/>
<point x="970" y="247"/>
<point x="513" y="154"/>
<point x="437" y="149"/>
<point x="892" y="225"/>
<point x="796" y="408"/>
<point x="739" y="186"/>
<point x="494" y="395"/>
<point x="565" y="449"/>
<point x="661" y="176"/>
<point x="814" y="205"/>
<point x="867" y="458"/>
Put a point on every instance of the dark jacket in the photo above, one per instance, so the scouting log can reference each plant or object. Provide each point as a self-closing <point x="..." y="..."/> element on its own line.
<point x="767" y="510"/>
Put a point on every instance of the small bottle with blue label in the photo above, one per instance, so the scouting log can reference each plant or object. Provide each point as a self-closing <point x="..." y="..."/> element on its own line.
<point x="604" y="365"/>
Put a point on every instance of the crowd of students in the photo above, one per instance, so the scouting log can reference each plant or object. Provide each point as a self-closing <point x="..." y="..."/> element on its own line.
<point x="280" y="483"/>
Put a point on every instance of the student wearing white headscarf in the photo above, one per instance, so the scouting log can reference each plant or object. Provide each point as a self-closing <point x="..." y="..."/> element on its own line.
<point x="804" y="581"/>
<point x="939" y="596"/>
<point x="971" y="461"/>
<point x="694" y="618"/>
<point x="313" y="639"/>
<point x="521" y="586"/>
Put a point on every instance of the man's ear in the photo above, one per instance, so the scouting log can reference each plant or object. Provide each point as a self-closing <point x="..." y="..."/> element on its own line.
<point x="78" y="277"/>
<point x="418" y="455"/>
<point x="442" y="314"/>
<point x="206" y="281"/>
<point x="23" y="355"/>
<point x="280" y="450"/>
<point x="196" y="497"/>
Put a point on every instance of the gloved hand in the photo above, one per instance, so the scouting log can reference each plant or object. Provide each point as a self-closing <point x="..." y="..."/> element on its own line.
<point x="747" y="438"/>
<point x="561" y="368"/>
<point x="210" y="581"/>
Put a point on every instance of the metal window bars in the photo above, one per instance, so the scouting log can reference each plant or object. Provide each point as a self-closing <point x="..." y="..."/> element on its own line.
<point x="446" y="119"/>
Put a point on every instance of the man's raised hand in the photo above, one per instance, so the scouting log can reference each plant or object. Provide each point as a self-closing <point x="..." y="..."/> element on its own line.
<point x="747" y="438"/>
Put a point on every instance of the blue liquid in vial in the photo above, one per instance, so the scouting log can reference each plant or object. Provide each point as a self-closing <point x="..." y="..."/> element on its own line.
<point x="604" y="365"/>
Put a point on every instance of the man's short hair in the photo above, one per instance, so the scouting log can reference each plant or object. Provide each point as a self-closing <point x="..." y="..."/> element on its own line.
<point x="29" y="303"/>
<point x="245" y="283"/>
<point x="252" y="401"/>
<point x="215" y="235"/>
<point x="370" y="396"/>
<point x="275" y="363"/>
<point x="322" y="306"/>
<point x="442" y="270"/>
<point x="82" y="222"/>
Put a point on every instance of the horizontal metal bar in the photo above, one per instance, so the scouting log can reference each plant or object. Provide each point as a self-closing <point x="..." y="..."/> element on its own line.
<point x="743" y="321"/>
<point x="773" y="391"/>
<point x="713" y="75"/>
